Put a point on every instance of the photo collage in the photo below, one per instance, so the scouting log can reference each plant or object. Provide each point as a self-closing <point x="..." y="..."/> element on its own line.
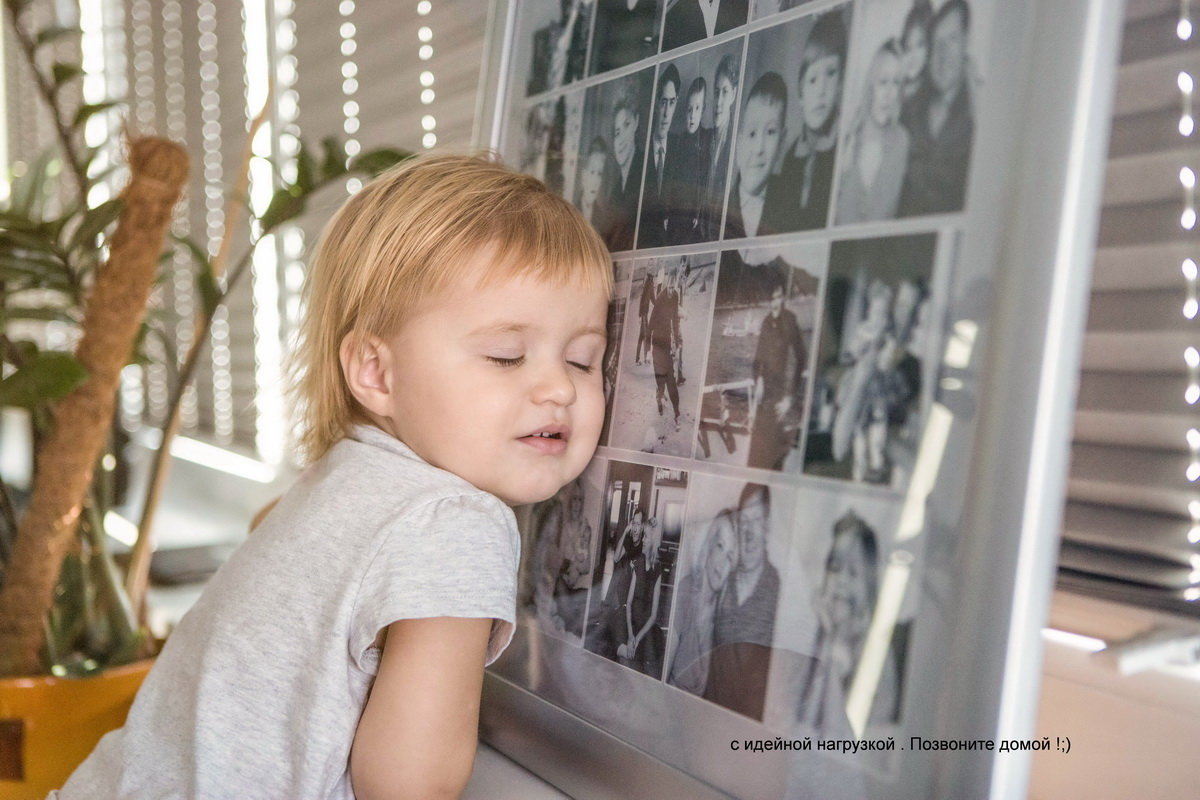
<point x="782" y="186"/>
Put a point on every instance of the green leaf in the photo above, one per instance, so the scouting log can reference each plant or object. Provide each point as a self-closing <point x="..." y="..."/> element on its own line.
<point x="54" y="33"/>
<point x="37" y="273"/>
<point x="18" y="222"/>
<point x="30" y="257"/>
<point x="29" y="190"/>
<point x="88" y="110"/>
<point x="334" y="163"/>
<point x="12" y="241"/>
<point x="95" y="221"/>
<point x="193" y="247"/>
<point x="206" y="282"/>
<point x="210" y="292"/>
<point x="305" y="176"/>
<point x="21" y="352"/>
<point x="373" y="162"/>
<point x="283" y="207"/>
<point x="44" y="313"/>
<point x="49" y="376"/>
<point x="63" y="73"/>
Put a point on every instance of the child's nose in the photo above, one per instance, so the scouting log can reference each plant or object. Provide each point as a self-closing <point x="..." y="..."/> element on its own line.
<point x="554" y="384"/>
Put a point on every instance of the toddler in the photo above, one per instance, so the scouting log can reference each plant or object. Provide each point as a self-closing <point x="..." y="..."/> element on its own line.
<point x="449" y="368"/>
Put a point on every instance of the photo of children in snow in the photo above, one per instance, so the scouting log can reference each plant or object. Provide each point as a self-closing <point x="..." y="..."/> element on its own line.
<point x="875" y="336"/>
<point x="662" y="353"/>
<point x="760" y="348"/>
<point x="634" y="578"/>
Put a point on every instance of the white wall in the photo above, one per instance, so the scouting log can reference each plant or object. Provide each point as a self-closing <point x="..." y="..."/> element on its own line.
<point x="1132" y="737"/>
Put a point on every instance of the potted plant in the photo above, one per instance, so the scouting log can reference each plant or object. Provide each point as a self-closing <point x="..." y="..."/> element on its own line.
<point x="73" y="640"/>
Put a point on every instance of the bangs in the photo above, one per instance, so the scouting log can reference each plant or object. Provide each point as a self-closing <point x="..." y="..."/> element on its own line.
<point x="533" y="233"/>
<point x="551" y="242"/>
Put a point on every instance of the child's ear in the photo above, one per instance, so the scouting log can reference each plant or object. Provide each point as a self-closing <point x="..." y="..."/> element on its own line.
<point x="367" y="368"/>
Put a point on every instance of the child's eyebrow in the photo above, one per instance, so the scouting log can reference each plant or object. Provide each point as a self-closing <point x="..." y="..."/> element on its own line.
<point x="522" y="327"/>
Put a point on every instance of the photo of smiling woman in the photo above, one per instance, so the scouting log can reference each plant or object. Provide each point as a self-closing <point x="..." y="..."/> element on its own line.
<point x="696" y="604"/>
<point x="875" y="153"/>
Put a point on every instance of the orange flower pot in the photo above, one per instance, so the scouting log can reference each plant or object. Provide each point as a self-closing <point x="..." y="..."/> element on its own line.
<point x="49" y="725"/>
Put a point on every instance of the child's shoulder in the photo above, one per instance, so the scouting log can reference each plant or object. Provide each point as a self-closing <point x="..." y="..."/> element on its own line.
<point x="384" y="470"/>
<point x="375" y="458"/>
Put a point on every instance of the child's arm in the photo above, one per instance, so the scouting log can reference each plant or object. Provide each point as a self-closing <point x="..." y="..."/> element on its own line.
<point x="418" y="732"/>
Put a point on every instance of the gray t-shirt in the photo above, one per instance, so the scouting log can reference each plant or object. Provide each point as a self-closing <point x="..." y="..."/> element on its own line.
<point x="258" y="692"/>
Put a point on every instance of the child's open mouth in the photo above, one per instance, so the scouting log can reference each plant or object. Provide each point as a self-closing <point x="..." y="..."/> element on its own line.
<point x="552" y="440"/>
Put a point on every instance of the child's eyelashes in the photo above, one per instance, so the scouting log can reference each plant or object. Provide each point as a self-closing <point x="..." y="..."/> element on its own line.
<point x="519" y="360"/>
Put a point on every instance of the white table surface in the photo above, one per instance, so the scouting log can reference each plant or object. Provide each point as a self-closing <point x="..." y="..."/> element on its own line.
<point x="496" y="777"/>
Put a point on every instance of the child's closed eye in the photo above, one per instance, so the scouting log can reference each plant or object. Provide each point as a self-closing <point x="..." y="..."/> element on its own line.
<point x="506" y="362"/>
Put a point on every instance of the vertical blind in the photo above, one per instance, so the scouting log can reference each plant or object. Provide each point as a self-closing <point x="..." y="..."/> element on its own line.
<point x="1131" y="529"/>
<point x="397" y="73"/>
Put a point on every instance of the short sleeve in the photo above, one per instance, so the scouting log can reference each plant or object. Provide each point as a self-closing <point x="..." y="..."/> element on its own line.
<point x="452" y="557"/>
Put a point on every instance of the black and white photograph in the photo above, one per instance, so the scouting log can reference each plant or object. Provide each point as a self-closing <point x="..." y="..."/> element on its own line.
<point x="626" y="32"/>
<point x="844" y="545"/>
<point x="617" y="308"/>
<point x="635" y="564"/>
<point x="560" y="567"/>
<point x="690" y="21"/>
<point x="765" y="8"/>
<point x="723" y="627"/>
<point x="752" y="409"/>
<point x="662" y="354"/>
<point x="687" y="159"/>
<point x="906" y="141"/>
<point x="547" y="146"/>
<point x="867" y="407"/>
<point x="612" y="144"/>
<point x="557" y="32"/>
<point x="786" y="145"/>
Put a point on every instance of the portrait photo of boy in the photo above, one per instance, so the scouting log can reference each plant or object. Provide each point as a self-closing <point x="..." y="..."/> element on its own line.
<point x="760" y="350"/>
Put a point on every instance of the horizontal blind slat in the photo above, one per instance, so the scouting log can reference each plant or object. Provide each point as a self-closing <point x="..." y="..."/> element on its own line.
<point x="1136" y="351"/>
<point x="1145" y="266"/>
<point x="1158" y="535"/>
<point x="1133" y="429"/>
<point x="1141" y="310"/>
<point x="1123" y="566"/>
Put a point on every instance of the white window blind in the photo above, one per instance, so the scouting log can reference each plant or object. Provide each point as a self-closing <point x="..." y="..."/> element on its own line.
<point x="1132" y="524"/>
<point x="375" y="73"/>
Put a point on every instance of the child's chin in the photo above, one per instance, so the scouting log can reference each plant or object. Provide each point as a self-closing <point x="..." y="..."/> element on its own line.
<point x="527" y="496"/>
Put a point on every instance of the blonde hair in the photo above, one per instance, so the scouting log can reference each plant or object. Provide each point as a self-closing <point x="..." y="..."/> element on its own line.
<point x="408" y="235"/>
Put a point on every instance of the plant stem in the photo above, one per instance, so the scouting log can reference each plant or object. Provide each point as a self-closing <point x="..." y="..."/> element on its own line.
<point x="115" y="307"/>
<point x="137" y="579"/>
<point x="7" y="507"/>
<point x="50" y="97"/>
